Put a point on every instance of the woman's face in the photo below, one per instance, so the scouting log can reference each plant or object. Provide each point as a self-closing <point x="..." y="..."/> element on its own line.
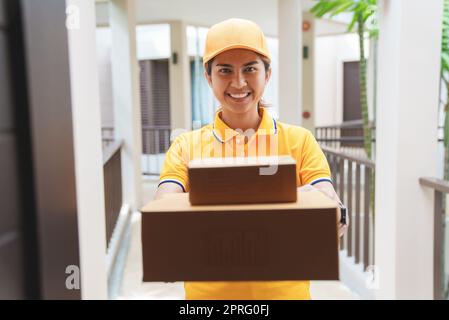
<point x="238" y="79"/>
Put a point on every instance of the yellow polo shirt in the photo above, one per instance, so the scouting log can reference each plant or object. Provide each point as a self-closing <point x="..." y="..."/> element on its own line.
<point x="271" y="138"/>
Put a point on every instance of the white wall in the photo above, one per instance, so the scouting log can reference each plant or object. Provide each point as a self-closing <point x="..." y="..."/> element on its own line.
<point x="290" y="61"/>
<point x="326" y="27"/>
<point x="331" y="52"/>
<point x="271" y="94"/>
<point x="153" y="41"/>
<point x="308" y="73"/>
<point x="103" y="46"/>
<point x="406" y="148"/>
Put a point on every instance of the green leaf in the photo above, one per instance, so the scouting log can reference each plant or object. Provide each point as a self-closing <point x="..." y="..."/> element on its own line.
<point x="324" y="7"/>
<point x="445" y="62"/>
<point x="335" y="6"/>
<point x="316" y="8"/>
<point x="353" y="22"/>
<point x="343" y="8"/>
<point x="373" y="33"/>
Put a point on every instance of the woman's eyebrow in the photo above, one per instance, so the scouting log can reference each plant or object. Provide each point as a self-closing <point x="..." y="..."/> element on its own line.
<point x="230" y="65"/>
<point x="250" y="63"/>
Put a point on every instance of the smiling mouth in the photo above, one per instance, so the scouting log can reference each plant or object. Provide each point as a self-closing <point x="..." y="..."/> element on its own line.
<point x="238" y="95"/>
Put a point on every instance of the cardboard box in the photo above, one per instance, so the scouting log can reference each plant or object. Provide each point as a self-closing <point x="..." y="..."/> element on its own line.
<point x="242" y="180"/>
<point x="283" y="241"/>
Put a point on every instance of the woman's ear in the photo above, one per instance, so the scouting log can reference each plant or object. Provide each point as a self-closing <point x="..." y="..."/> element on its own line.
<point x="267" y="75"/>
<point x="208" y="78"/>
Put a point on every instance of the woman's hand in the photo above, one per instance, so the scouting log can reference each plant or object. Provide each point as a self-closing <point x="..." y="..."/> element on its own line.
<point x="166" y="188"/>
<point x="328" y="189"/>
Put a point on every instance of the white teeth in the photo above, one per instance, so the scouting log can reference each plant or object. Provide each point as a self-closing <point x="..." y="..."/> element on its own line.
<point x="239" y="96"/>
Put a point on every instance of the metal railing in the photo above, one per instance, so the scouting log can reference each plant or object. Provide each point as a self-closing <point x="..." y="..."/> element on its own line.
<point x="441" y="189"/>
<point x="112" y="172"/>
<point x="352" y="177"/>
<point x="346" y="136"/>
<point x="107" y="136"/>
<point x="155" y="142"/>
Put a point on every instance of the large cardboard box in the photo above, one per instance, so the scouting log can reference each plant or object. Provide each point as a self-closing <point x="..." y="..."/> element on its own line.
<point x="283" y="241"/>
<point x="242" y="180"/>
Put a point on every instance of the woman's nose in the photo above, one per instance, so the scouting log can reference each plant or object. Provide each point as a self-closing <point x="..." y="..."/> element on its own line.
<point x="239" y="80"/>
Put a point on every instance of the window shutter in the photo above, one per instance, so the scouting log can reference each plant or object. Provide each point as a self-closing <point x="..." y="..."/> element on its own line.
<point x="155" y="105"/>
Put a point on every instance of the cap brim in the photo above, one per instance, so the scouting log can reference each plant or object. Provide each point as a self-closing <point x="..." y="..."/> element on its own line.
<point x="234" y="46"/>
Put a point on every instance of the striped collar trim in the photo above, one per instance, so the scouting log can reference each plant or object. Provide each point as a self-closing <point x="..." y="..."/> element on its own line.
<point x="268" y="126"/>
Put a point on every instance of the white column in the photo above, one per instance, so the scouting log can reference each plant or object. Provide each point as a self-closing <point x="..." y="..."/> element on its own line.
<point x="87" y="144"/>
<point x="308" y="73"/>
<point x="408" y="79"/>
<point x="179" y="74"/>
<point x="290" y="61"/>
<point x="126" y="97"/>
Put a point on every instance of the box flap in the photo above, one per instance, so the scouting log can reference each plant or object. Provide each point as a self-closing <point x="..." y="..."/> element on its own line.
<point x="240" y="161"/>
<point x="308" y="199"/>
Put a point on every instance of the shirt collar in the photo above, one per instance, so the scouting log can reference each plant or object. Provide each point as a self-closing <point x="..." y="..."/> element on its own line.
<point x="222" y="132"/>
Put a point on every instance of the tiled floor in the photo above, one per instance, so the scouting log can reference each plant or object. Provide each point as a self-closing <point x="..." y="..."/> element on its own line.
<point x="134" y="288"/>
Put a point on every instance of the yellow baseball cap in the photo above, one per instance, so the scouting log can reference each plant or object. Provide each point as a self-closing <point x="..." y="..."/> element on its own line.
<point x="234" y="34"/>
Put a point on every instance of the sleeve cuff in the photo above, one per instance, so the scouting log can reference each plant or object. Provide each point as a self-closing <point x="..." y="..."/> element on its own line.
<point x="320" y="180"/>
<point x="179" y="183"/>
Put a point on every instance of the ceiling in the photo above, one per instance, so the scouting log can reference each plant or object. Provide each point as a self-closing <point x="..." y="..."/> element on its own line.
<point x="205" y="12"/>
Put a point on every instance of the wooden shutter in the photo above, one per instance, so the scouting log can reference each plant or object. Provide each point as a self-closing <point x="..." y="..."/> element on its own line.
<point x="155" y="105"/>
<point x="352" y="109"/>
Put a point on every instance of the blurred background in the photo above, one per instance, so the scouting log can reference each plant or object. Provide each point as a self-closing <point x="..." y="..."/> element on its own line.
<point x="93" y="92"/>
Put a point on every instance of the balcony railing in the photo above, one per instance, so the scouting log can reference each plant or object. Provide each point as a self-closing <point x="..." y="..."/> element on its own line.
<point x="112" y="185"/>
<point x="107" y="136"/>
<point x="346" y="136"/>
<point x="440" y="250"/>
<point x="155" y="142"/>
<point x="352" y="177"/>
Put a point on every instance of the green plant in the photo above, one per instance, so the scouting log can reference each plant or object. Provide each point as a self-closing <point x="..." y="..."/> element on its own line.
<point x="444" y="81"/>
<point x="362" y="17"/>
<point x="444" y="75"/>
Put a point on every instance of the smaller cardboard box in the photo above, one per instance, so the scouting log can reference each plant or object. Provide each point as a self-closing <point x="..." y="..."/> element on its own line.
<point x="249" y="242"/>
<point x="242" y="180"/>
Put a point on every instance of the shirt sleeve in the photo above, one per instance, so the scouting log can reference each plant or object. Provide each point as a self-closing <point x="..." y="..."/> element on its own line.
<point x="174" y="169"/>
<point x="314" y="167"/>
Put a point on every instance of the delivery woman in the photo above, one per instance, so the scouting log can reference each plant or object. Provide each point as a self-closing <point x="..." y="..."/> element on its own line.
<point x="237" y="68"/>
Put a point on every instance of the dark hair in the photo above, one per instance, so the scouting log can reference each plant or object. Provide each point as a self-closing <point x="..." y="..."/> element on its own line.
<point x="266" y="64"/>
